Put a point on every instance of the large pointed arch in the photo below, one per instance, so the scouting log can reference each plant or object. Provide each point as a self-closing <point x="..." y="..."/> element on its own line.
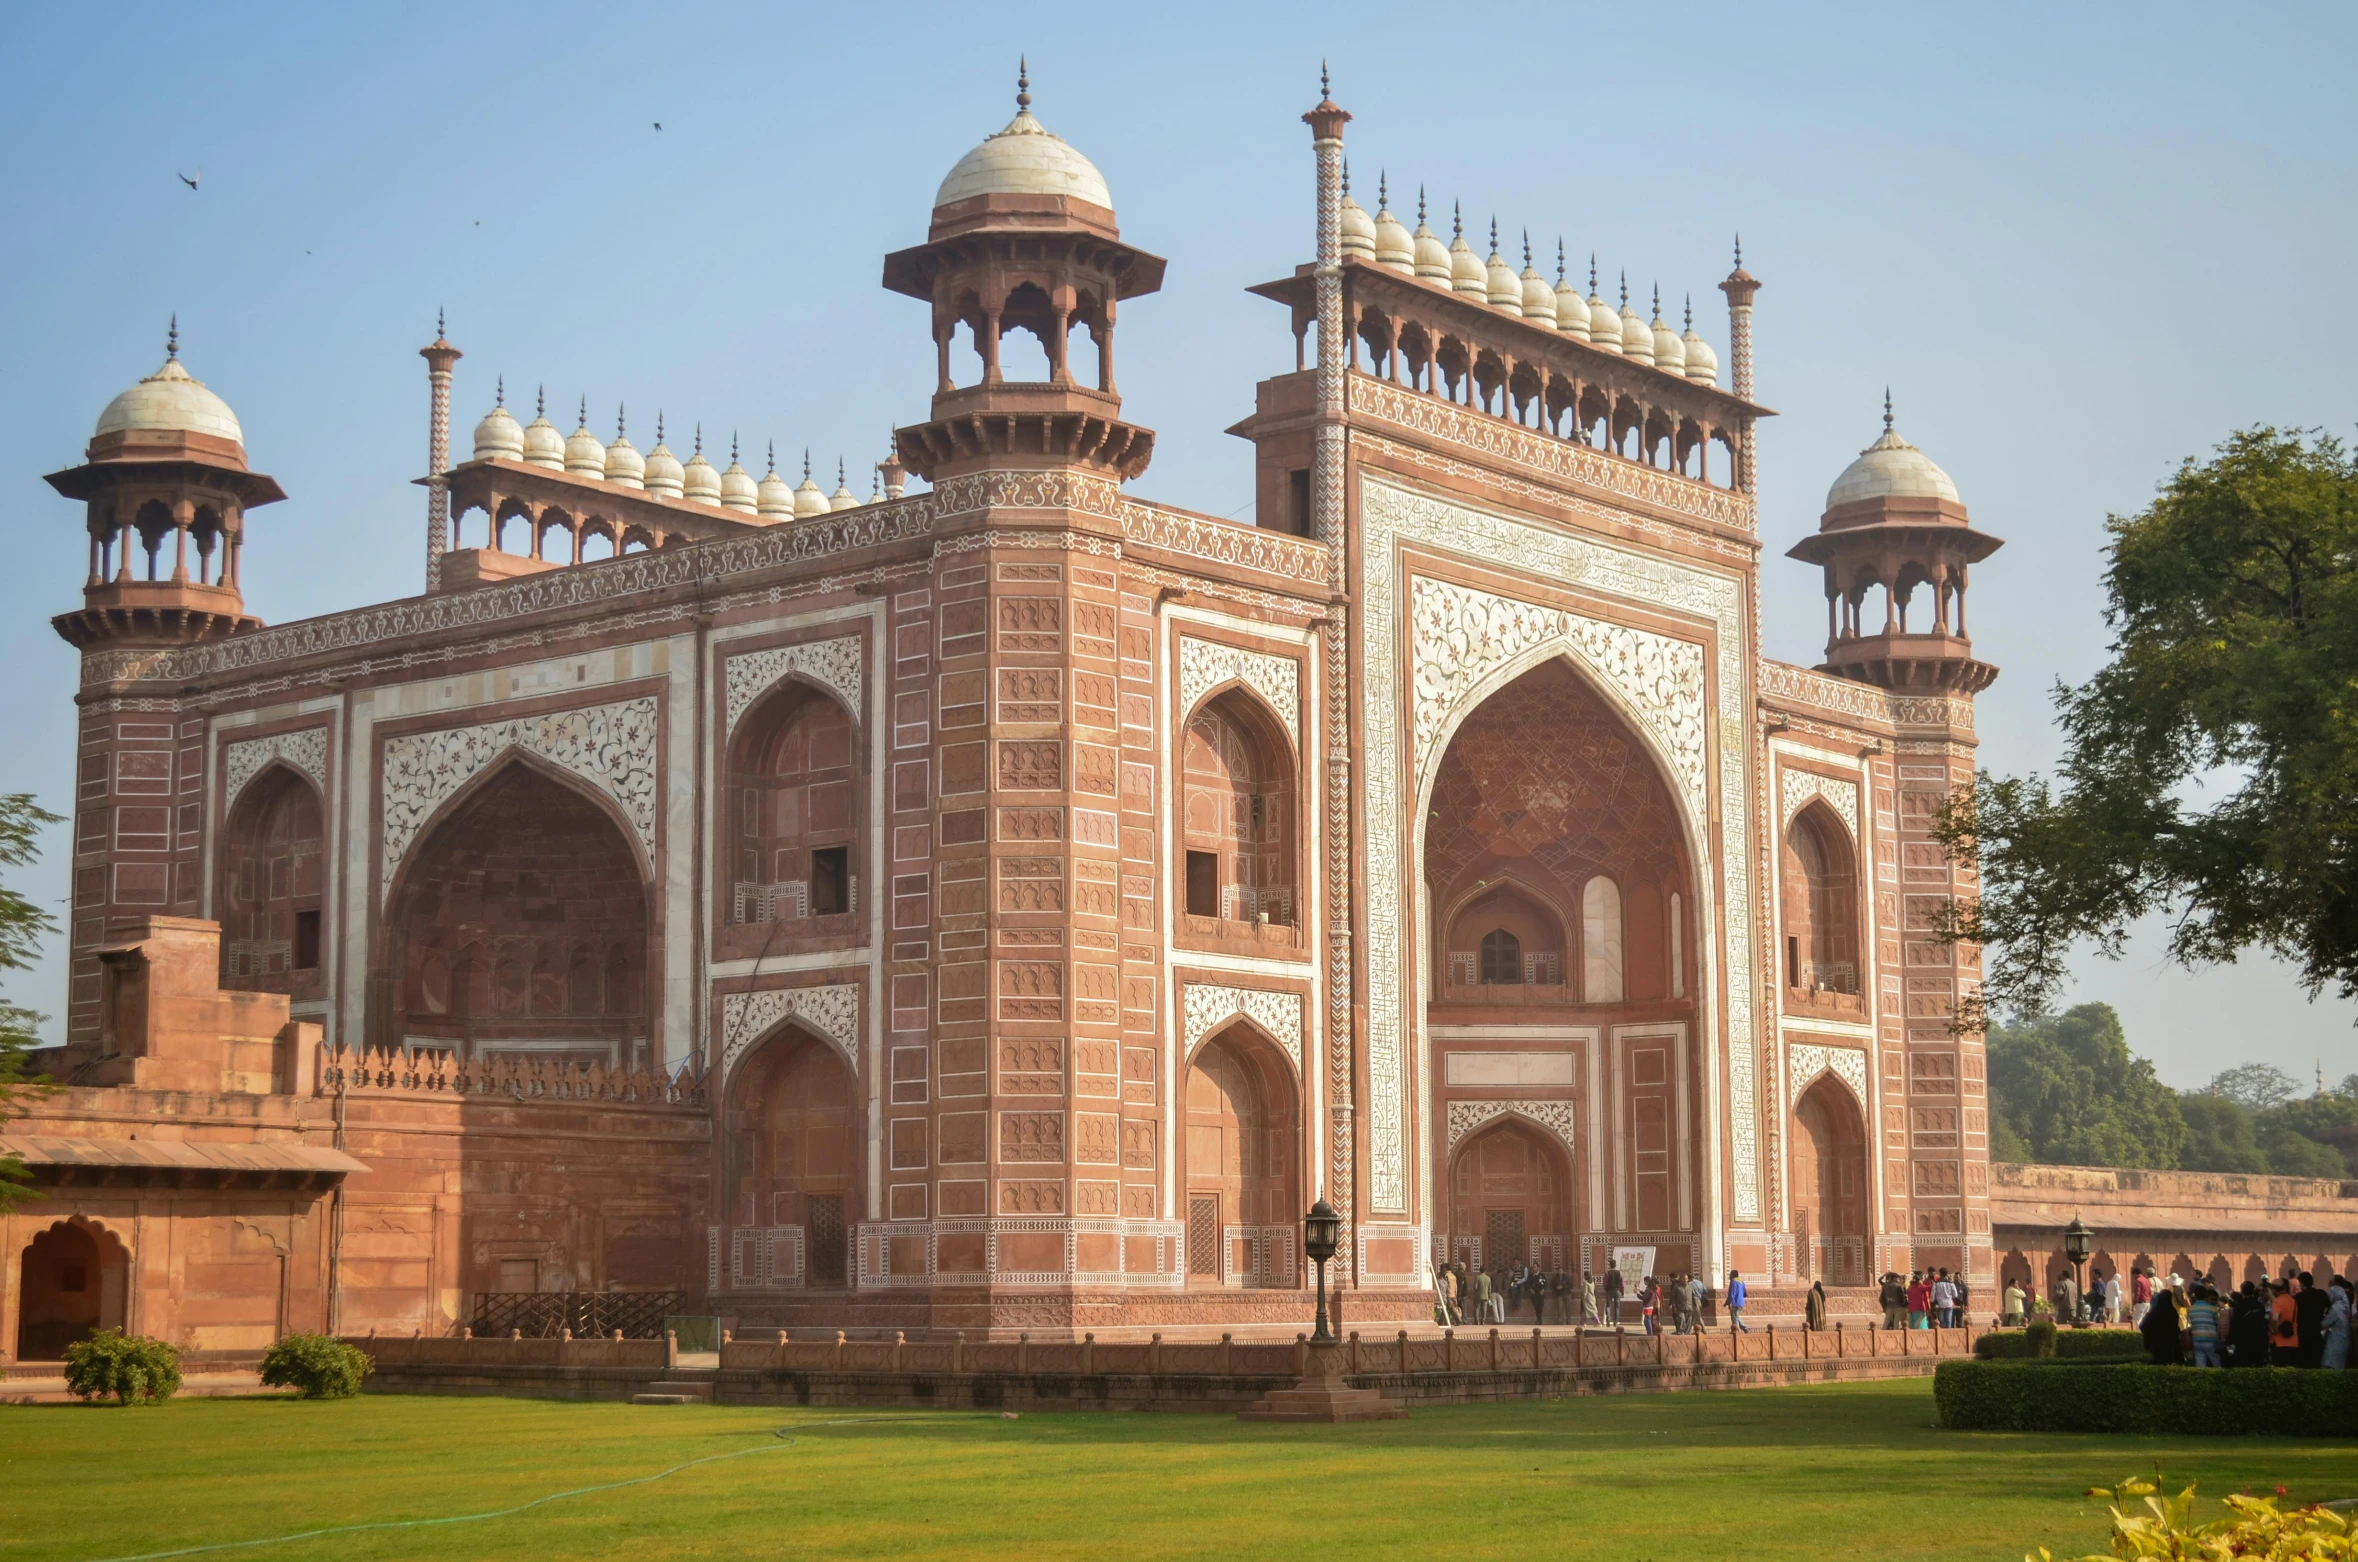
<point x="269" y="891"/>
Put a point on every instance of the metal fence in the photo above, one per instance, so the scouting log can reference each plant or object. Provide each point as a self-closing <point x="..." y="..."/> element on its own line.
<point x="544" y="1315"/>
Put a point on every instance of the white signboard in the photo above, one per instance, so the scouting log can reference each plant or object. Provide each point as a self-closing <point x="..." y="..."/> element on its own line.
<point x="1635" y="1263"/>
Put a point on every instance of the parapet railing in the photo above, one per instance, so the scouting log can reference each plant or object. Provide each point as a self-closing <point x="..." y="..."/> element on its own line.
<point x="508" y="1076"/>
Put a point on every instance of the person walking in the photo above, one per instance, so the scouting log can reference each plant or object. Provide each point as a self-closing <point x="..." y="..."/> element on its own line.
<point x="2335" y="1352"/>
<point x="2067" y="1300"/>
<point x="2310" y="1305"/>
<point x="2163" y="1347"/>
<point x="1919" y="1300"/>
<point x="1813" y="1310"/>
<point x="1559" y="1286"/>
<point x="1736" y="1299"/>
<point x="2012" y="1315"/>
<point x="1695" y="1301"/>
<point x="2202" y="1322"/>
<point x="2284" y="1325"/>
<point x="2140" y="1296"/>
<point x="1482" y="1294"/>
<point x="2112" y="1298"/>
<point x="1944" y="1301"/>
<point x="1649" y="1297"/>
<point x="1615" y="1283"/>
<point x="1588" y="1299"/>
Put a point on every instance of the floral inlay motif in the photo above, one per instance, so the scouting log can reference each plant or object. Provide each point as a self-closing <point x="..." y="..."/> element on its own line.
<point x="1557" y="1117"/>
<point x="1800" y="786"/>
<point x="833" y="663"/>
<point x="1806" y="1060"/>
<point x="1204" y="665"/>
<point x="832" y="1012"/>
<point x="305" y="749"/>
<point x="1209" y="1007"/>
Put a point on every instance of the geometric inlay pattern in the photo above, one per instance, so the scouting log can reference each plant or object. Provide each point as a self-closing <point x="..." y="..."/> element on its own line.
<point x="612" y="747"/>
<point x="832" y="1012"/>
<point x="1465" y="1116"/>
<point x="1207" y="1007"/>
<point x="1805" y="1061"/>
<point x="305" y="748"/>
<point x="1800" y="786"/>
<point x="1204" y="665"/>
<point x="832" y="663"/>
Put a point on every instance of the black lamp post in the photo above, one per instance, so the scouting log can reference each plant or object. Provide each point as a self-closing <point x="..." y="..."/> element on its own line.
<point x="1321" y="1229"/>
<point x="2078" y="1240"/>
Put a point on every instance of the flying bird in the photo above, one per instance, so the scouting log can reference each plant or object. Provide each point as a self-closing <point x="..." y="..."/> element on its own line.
<point x="659" y="124"/>
<point x="190" y="179"/>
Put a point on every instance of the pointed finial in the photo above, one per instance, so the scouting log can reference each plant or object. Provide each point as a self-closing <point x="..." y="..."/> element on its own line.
<point x="1023" y="83"/>
<point x="499" y="393"/>
<point x="839" y="472"/>
<point x="1420" y="205"/>
<point x="1346" y="178"/>
<point x="1592" y="273"/>
<point x="773" y="458"/>
<point x="584" y="417"/>
<point x="1383" y="190"/>
<point x="1526" y="249"/>
<point x="619" y="411"/>
<point x="659" y="425"/>
<point x="732" y="447"/>
<point x="1494" y="235"/>
<point x="441" y="329"/>
<point x="699" y="437"/>
<point x="540" y="402"/>
<point x="1559" y="260"/>
<point x="1657" y="300"/>
<point x="1457" y="219"/>
<point x="1739" y="252"/>
<point x="1625" y="290"/>
<point x="806" y="463"/>
<point x="1886" y="409"/>
<point x="1690" y="311"/>
<point x="172" y="338"/>
<point x="1324" y="91"/>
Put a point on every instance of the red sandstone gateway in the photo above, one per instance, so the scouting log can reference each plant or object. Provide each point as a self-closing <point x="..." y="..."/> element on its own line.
<point x="1007" y="905"/>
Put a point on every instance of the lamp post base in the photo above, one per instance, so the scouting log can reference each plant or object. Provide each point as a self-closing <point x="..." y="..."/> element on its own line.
<point x="1321" y="1396"/>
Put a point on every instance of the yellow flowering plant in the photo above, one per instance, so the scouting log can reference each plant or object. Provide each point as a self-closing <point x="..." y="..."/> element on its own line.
<point x="2253" y="1527"/>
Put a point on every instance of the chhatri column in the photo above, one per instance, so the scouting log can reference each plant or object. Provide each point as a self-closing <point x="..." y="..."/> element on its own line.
<point x="1326" y="122"/>
<point x="439" y="356"/>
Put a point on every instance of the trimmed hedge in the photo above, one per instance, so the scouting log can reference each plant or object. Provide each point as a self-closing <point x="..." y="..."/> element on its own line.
<point x="2137" y="1397"/>
<point x="2069" y="1344"/>
<point x="133" y="1368"/>
<point x="316" y="1367"/>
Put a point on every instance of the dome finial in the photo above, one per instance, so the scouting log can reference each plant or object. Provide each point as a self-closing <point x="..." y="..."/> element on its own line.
<point x="1690" y="311"/>
<point x="1657" y="300"/>
<point x="1625" y="290"/>
<point x="773" y="458"/>
<point x="1346" y="178"/>
<point x="732" y="447"/>
<point x="1559" y="260"/>
<point x="1493" y="235"/>
<point x="1526" y="249"/>
<point x="1324" y="91"/>
<point x="441" y="324"/>
<point x="1592" y="271"/>
<point x="1420" y="205"/>
<point x="619" y="414"/>
<point x="659" y="425"/>
<point x="172" y="339"/>
<point x="1739" y="252"/>
<point x="806" y="463"/>
<point x="1457" y="219"/>
<point x="1886" y="409"/>
<point x="699" y="450"/>
<point x="1383" y="189"/>
<point x="540" y="401"/>
<point x="839" y="471"/>
<point x="1023" y="84"/>
<point x="499" y="392"/>
<point x="584" y="415"/>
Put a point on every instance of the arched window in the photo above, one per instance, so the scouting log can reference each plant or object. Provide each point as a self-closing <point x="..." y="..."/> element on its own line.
<point x="1502" y="957"/>
<point x="794" y="801"/>
<point x="269" y="897"/>
<point x="1236" y="815"/>
<point x="1600" y="941"/>
<point x="1821" y="942"/>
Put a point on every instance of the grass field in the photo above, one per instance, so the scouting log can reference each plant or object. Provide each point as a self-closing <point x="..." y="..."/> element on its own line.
<point x="1817" y="1472"/>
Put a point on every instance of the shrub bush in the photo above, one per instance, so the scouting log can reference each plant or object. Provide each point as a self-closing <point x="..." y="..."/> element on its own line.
<point x="132" y="1367"/>
<point x="2064" y="1345"/>
<point x="2095" y="1395"/>
<point x="2252" y="1527"/>
<point x="316" y="1366"/>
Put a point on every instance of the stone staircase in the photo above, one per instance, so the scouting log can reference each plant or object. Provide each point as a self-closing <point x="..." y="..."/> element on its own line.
<point x="680" y="1388"/>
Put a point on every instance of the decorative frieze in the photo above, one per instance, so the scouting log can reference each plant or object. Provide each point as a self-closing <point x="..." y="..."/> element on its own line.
<point x="1557" y="1117"/>
<point x="612" y="747"/>
<point x="1204" y="665"/>
<point x="305" y="749"/>
<point x="1838" y="696"/>
<point x="1206" y="1008"/>
<point x="833" y="664"/>
<point x="1806" y="1060"/>
<point x="1799" y="787"/>
<point x="832" y="1012"/>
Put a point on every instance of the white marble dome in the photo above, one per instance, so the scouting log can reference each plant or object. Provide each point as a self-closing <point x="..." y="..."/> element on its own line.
<point x="1702" y="362"/>
<point x="1604" y="326"/>
<point x="774" y="496"/>
<point x="499" y="434"/>
<point x="809" y="498"/>
<point x="738" y="491"/>
<point x="661" y="471"/>
<point x="624" y="465"/>
<point x="1467" y="274"/>
<point x="1637" y="339"/>
<point x="1571" y="311"/>
<point x="170" y="399"/>
<point x="1670" y="353"/>
<point x="1539" y="300"/>
<point x="1024" y="159"/>
<point x="700" y="480"/>
<point x="543" y="445"/>
<point x="1502" y="288"/>
<point x="1432" y="256"/>
<point x="1395" y="246"/>
<point x="585" y="453"/>
<point x="1891" y="468"/>
<point x="1357" y="228"/>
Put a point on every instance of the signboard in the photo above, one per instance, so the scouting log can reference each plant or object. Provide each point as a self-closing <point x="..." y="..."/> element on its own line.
<point x="1635" y="1263"/>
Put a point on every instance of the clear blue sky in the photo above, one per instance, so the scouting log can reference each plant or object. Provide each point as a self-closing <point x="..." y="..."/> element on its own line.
<point x="2080" y="243"/>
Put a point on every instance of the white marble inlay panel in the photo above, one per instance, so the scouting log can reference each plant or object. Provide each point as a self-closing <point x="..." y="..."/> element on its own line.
<point x="305" y="749"/>
<point x="836" y="664"/>
<point x="832" y="1011"/>
<point x="1806" y="1060"/>
<point x="1800" y="786"/>
<point x="1205" y="665"/>
<point x="1466" y="1116"/>
<point x="1207" y="1007"/>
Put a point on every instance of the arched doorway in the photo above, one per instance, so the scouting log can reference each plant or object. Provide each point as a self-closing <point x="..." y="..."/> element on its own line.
<point x="795" y="1132"/>
<point x="1510" y="1198"/>
<point x="269" y="893"/>
<point x="794" y="814"/>
<point x="1240" y="1160"/>
<point x="521" y="925"/>
<point x="74" y="1280"/>
<point x="1829" y="1186"/>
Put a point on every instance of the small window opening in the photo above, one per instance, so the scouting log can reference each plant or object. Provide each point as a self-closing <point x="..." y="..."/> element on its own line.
<point x="1297" y="512"/>
<point x="307" y="940"/>
<point x="1792" y="962"/>
<point x="1203" y="884"/>
<point x="1502" y="957"/>
<point x="830" y="880"/>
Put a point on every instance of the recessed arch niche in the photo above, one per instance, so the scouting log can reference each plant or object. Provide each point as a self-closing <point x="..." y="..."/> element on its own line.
<point x="268" y="893"/>
<point x="795" y="1130"/>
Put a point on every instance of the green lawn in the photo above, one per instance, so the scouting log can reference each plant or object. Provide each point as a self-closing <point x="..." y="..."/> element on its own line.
<point x="1819" y="1472"/>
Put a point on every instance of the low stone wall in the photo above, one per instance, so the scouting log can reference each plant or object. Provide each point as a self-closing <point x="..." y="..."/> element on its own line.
<point x="1226" y="1376"/>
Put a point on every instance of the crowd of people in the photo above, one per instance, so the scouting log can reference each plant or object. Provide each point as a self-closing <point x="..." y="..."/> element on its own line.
<point x="1678" y="1302"/>
<point x="1927" y="1299"/>
<point x="2289" y="1322"/>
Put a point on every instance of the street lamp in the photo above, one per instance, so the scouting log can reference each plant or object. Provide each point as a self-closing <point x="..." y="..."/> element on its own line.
<point x="2078" y="1240"/>
<point x="1321" y="1229"/>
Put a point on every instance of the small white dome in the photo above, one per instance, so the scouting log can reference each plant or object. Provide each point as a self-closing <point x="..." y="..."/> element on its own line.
<point x="499" y="434"/>
<point x="1395" y="246"/>
<point x="1539" y="300"/>
<point x="624" y="464"/>
<point x="1024" y="159"/>
<point x="774" y="497"/>
<point x="1501" y="287"/>
<point x="1637" y="340"/>
<point x="738" y="491"/>
<point x="585" y="453"/>
<point x="543" y="445"/>
<point x="1432" y="256"/>
<point x="1571" y="312"/>
<point x="1358" y="235"/>
<point x="843" y="498"/>
<point x="662" y="472"/>
<point x="1702" y="362"/>
<point x="171" y="399"/>
<point x="809" y="497"/>
<point x="700" y="480"/>
<point x="1467" y="274"/>
<point x="1891" y="468"/>
<point x="1670" y="354"/>
<point x="1604" y="326"/>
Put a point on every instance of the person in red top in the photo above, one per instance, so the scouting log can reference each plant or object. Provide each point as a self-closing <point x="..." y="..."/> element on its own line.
<point x="2140" y="1296"/>
<point x="1919" y="1302"/>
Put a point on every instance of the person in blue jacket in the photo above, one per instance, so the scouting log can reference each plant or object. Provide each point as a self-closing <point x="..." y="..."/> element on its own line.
<point x="1736" y="1302"/>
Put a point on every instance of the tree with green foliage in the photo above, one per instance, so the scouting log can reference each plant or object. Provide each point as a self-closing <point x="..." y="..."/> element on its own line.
<point x="2210" y="768"/>
<point x="2219" y="1135"/>
<point x="2068" y="1087"/>
<point x="21" y="925"/>
<point x="2255" y="1086"/>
